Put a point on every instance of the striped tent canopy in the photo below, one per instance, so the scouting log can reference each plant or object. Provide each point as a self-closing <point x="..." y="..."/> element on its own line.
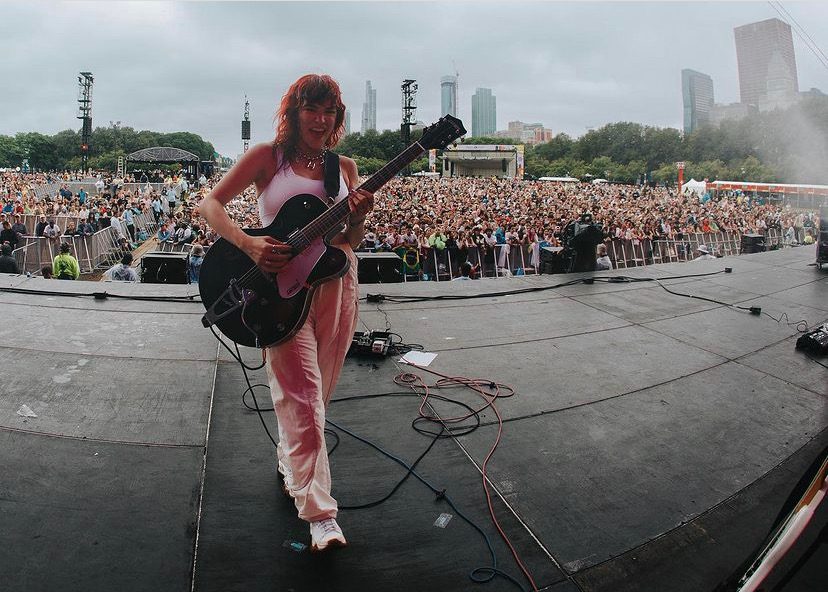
<point x="162" y="154"/>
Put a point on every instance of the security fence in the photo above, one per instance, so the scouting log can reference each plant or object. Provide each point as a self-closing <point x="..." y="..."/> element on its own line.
<point x="142" y="221"/>
<point x="102" y="249"/>
<point x="518" y="260"/>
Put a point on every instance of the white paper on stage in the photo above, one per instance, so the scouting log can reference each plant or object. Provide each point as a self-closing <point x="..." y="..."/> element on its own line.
<point x="418" y="358"/>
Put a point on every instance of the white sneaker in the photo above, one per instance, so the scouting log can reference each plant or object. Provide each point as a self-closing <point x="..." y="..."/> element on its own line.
<point x="326" y="534"/>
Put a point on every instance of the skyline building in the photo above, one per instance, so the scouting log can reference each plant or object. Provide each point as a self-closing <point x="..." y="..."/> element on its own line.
<point x="347" y="122"/>
<point x="697" y="96"/>
<point x="767" y="64"/>
<point x="369" y="108"/>
<point x="448" y="95"/>
<point x="484" y="112"/>
<point x="534" y="133"/>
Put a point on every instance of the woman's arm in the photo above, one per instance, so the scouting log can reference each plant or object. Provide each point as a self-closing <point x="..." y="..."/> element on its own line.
<point x="268" y="253"/>
<point x="360" y="202"/>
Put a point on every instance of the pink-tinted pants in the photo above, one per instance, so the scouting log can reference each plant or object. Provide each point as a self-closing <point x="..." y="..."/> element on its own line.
<point x="302" y="373"/>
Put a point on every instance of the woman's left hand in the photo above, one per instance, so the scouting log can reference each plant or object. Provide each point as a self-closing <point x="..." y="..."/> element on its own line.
<point x="360" y="202"/>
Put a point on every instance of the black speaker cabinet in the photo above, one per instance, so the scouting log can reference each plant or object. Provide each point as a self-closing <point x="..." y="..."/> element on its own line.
<point x="164" y="268"/>
<point x="382" y="267"/>
<point x="752" y="243"/>
<point x="554" y="260"/>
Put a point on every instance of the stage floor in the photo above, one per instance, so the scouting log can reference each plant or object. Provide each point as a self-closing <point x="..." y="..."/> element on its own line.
<point x="650" y="442"/>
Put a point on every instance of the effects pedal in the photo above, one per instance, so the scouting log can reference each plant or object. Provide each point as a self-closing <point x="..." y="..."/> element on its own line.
<point x="815" y="341"/>
<point x="372" y="344"/>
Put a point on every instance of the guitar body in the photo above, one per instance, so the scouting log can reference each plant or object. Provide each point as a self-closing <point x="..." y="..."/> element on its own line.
<point x="275" y="305"/>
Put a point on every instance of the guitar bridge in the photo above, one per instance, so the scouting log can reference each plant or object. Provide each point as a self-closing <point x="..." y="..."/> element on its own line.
<point x="231" y="300"/>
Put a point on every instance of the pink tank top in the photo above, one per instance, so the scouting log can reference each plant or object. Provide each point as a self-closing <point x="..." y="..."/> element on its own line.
<point x="285" y="185"/>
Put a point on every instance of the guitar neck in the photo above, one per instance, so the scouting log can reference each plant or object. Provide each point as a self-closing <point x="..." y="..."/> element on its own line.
<point x="335" y="215"/>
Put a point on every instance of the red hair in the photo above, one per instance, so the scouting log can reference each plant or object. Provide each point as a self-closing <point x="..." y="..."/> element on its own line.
<point x="308" y="89"/>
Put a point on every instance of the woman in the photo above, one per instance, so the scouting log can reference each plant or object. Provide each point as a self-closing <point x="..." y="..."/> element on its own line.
<point x="303" y="371"/>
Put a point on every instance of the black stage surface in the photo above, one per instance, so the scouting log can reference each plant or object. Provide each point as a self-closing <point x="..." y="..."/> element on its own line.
<point x="650" y="443"/>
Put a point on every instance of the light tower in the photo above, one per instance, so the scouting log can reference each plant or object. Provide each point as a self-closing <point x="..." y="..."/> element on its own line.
<point x="246" y="124"/>
<point x="409" y="108"/>
<point x="85" y="81"/>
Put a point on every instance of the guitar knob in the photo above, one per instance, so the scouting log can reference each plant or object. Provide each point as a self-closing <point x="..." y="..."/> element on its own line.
<point x="280" y="327"/>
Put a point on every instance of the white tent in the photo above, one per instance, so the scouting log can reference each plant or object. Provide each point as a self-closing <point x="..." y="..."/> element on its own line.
<point x="696" y="187"/>
<point x="560" y="179"/>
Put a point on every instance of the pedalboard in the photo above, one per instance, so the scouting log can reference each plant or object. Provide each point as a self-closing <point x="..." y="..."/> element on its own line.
<point x="815" y="341"/>
<point x="371" y="344"/>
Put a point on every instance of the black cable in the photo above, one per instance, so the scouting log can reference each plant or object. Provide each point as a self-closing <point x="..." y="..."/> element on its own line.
<point x="801" y="325"/>
<point x="103" y="295"/>
<point x="253" y="394"/>
<point x="492" y="570"/>
<point x="456" y="431"/>
<point x="658" y="281"/>
<point x="236" y="357"/>
<point x="399" y="484"/>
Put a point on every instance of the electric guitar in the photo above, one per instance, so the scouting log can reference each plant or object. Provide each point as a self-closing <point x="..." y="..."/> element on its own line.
<point x="259" y="309"/>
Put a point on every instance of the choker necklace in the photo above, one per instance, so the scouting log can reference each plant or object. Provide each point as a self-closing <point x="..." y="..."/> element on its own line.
<point x="312" y="161"/>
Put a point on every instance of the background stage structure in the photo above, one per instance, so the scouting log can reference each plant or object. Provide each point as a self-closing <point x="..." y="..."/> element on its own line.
<point x="166" y="154"/>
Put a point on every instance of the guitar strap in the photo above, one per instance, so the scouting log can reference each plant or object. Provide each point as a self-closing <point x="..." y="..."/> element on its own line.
<point x="331" y="174"/>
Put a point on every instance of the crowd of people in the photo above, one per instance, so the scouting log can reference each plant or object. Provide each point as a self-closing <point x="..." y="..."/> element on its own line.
<point x="109" y="202"/>
<point x="445" y="213"/>
<point x="415" y="213"/>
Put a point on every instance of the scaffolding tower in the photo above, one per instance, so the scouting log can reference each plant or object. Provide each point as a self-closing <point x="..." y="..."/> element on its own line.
<point x="85" y="81"/>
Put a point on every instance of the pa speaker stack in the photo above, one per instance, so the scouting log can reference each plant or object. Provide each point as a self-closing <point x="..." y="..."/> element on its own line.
<point x="164" y="268"/>
<point x="752" y="243"/>
<point x="382" y="267"/>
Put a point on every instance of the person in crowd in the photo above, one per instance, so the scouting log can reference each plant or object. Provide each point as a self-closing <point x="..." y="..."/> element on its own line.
<point x="602" y="261"/>
<point x="183" y="234"/>
<point x="194" y="263"/>
<point x="129" y="221"/>
<point x="156" y="208"/>
<point x="86" y="227"/>
<point x="7" y="235"/>
<point x="303" y="370"/>
<point x="41" y="225"/>
<point x="122" y="271"/>
<point x="65" y="266"/>
<point x="465" y="272"/>
<point x="8" y="263"/>
<point x="46" y="271"/>
<point x="704" y="253"/>
<point x="52" y="232"/>
<point x="163" y="233"/>
<point x="19" y="228"/>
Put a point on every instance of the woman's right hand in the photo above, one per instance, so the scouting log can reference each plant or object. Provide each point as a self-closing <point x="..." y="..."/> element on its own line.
<point x="269" y="254"/>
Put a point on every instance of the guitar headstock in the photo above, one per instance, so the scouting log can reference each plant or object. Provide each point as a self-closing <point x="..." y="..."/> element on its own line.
<point x="441" y="134"/>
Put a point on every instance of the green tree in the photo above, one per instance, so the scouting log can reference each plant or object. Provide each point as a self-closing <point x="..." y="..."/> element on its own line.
<point x="11" y="153"/>
<point x="39" y="149"/>
<point x="560" y="146"/>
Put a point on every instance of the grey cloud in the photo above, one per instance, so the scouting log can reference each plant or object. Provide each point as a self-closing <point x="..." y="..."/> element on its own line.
<point x="187" y="66"/>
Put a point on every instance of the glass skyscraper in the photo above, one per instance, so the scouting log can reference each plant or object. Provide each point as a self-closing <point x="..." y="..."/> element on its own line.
<point x="448" y="95"/>
<point x="484" y="113"/>
<point x="697" y="94"/>
<point x="767" y="65"/>
<point x="369" y="108"/>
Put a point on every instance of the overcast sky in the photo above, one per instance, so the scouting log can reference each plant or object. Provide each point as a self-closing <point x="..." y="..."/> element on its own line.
<point x="187" y="66"/>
